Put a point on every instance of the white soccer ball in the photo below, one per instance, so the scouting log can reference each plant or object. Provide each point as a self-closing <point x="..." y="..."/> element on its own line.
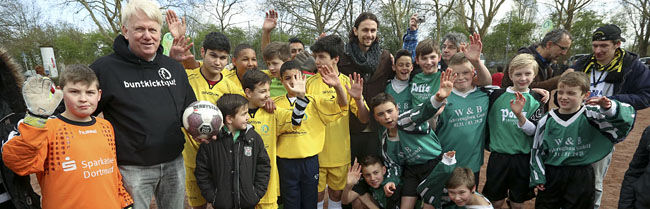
<point x="202" y="120"/>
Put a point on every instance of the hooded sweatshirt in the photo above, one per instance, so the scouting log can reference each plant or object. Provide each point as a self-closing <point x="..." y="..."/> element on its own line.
<point x="144" y="101"/>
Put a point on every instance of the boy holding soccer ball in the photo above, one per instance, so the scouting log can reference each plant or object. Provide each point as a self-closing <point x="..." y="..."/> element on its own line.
<point x="73" y="153"/>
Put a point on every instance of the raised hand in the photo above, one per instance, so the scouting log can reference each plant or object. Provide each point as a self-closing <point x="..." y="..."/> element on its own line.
<point x="176" y="28"/>
<point x="179" y="47"/>
<point x="473" y="51"/>
<point x="306" y="61"/>
<point x="356" y="86"/>
<point x="446" y="84"/>
<point x="354" y="173"/>
<point x="413" y="22"/>
<point x="329" y="76"/>
<point x="604" y="102"/>
<point x="298" y="86"/>
<point x="270" y="21"/>
<point x="545" y="94"/>
<point x="41" y="97"/>
<point x="517" y="104"/>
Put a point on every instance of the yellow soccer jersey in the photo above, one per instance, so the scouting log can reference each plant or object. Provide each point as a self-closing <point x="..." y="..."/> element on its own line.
<point x="232" y="76"/>
<point x="336" y="151"/>
<point x="269" y="126"/>
<point x="204" y="92"/>
<point x="308" y="139"/>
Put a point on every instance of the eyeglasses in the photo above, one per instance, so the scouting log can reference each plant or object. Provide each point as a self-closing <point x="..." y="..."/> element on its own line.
<point x="563" y="48"/>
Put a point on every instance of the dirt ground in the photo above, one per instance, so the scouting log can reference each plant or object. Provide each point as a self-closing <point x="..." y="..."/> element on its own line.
<point x="612" y="183"/>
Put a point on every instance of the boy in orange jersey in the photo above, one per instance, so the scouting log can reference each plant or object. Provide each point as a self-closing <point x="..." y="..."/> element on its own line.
<point x="72" y="154"/>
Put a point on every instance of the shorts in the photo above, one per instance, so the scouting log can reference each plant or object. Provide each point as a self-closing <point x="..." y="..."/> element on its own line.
<point x="333" y="177"/>
<point x="267" y="206"/>
<point x="568" y="187"/>
<point x="508" y="176"/>
<point x="194" y="196"/>
<point x="414" y="174"/>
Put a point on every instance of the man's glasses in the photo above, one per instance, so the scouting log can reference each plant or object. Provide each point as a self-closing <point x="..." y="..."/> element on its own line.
<point x="563" y="48"/>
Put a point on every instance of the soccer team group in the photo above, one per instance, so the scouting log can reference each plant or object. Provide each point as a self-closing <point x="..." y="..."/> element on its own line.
<point x="370" y="129"/>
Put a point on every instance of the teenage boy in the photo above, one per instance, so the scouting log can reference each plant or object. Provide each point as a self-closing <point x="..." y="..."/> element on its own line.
<point x="417" y="148"/>
<point x="244" y="59"/>
<point x="508" y="170"/>
<point x="297" y="151"/>
<point x="398" y="87"/>
<point x="72" y="154"/>
<point x="368" y="193"/>
<point x="335" y="158"/>
<point x="270" y="125"/>
<point x="209" y="85"/>
<point x="569" y="139"/>
<point x="233" y="171"/>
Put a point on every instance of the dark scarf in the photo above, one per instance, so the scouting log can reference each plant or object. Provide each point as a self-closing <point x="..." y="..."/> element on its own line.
<point x="368" y="61"/>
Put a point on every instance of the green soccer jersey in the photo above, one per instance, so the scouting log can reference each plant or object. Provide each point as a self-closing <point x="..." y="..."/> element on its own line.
<point x="423" y="86"/>
<point x="461" y="126"/>
<point x="584" y="138"/>
<point x="418" y="143"/>
<point x="399" y="90"/>
<point x="505" y="135"/>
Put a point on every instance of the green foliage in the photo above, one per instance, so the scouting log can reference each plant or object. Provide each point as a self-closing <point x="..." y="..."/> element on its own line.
<point x="583" y="28"/>
<point x="494" y="44"/>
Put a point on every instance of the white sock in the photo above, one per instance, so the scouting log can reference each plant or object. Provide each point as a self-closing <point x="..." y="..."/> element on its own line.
<point x="333" y="205"/>
<point x="320" y="204"/>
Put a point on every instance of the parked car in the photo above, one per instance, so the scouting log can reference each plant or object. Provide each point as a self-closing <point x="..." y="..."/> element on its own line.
<point x="646" y="61"/>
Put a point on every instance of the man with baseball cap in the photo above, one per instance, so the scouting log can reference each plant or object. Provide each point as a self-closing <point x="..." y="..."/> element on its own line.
<point x="617" y="74"/>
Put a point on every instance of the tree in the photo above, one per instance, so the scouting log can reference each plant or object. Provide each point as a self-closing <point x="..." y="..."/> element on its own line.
<point x="21" y="32"/>
<point x="319" y="16"/>
<point x="472" y="20"/>
<point x="585" y="24"/>
<point x="440" y="10"/>
<point x="223" y="11"/>
<point x="639" y="16"/>
<point x="495" y="45"/>
<point x="397" y="12"/>
<point x="566" y="11"/>
<point x="106" y="14"/>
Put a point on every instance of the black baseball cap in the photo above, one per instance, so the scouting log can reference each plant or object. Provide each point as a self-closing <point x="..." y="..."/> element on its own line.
<point x="607" y="32"/>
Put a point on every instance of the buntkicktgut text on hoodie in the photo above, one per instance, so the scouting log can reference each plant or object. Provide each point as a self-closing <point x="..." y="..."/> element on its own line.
<point x="165" y="81"/>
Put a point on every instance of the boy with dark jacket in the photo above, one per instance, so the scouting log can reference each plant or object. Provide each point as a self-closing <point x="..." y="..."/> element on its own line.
<point x="233" y="171"/>
<point x="637" y="177"/>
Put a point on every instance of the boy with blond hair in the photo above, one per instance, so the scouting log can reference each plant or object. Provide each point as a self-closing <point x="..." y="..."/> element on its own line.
<point x="507" y="170"/>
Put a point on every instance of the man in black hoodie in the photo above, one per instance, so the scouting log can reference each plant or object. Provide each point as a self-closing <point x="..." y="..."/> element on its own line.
<point x="144" y="95"/>
<point x="554" y="45"/>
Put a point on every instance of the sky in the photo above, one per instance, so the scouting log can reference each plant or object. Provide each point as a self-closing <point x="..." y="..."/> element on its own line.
<point x="55" y="12"/>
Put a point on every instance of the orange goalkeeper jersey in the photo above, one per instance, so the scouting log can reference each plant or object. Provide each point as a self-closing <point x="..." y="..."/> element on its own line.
<point x="74" y="162"/>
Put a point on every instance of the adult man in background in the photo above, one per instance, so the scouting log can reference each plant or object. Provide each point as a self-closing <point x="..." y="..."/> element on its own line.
<point x="554" y="45"/>
<point x="617" y="74"/>
<point x="144" y="95"/>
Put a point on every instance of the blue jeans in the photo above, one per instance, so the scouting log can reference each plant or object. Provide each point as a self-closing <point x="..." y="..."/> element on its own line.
<point x="166" y="181"/>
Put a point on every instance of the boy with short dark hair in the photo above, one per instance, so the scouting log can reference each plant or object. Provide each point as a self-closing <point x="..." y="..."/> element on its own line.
<point x="233" y="171"/>
<point x="368" y="193"/>
<point x="569" y="139"/>
<point x="335" y="158"/>
<point x="244" y="59"/>
<point x="297" y="151"/>
<point x="275" y="54"/>
<point x="398" y="87"/>
<point x="270" y="125"/>
<point x="208" y="84"/>
<point x="73" y="153"/>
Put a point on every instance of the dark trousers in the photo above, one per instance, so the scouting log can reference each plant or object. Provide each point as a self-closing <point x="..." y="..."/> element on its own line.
<point x="299" y="182"/>
<point x="567" y="187"/>
<point x="364" y="143"/>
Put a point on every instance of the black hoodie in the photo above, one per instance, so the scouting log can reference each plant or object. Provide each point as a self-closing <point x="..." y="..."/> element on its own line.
<point x="144" y="101"/>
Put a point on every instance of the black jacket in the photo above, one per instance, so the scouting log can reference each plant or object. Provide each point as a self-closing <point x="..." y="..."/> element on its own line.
<point x="631" y="85"/>
<point x="544" y="78"/>
<point x="144" y="101"/>
<point x="233" y="174"/>
<point x="634" y="191"/>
